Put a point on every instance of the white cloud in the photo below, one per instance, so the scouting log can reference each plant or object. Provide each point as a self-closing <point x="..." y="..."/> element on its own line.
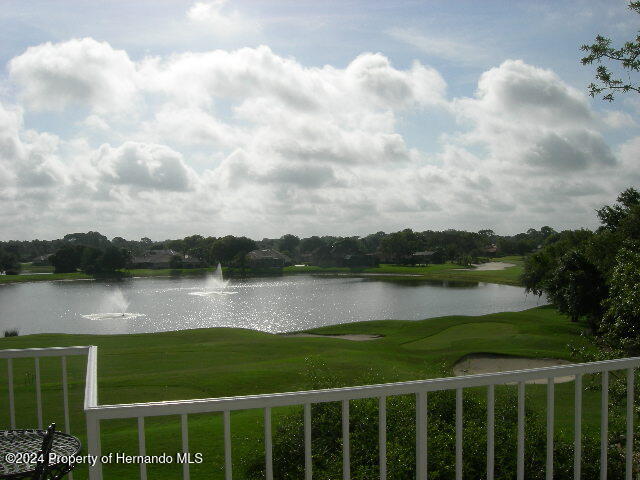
<point x="154" y="167"/>
<point x="221" y="21"/>
<point x="618" y="119"/>
<point x="248" y="139"/>
<point x="440" y="46"/>
<point x="528" y="118"/>
<point x="80" y="72"/>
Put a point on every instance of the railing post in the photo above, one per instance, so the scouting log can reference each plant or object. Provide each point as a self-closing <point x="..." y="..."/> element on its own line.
<point x="346" y="451"/>
<point x="550" y="425"/>
<point x="521" y="419"/>
<point x="93" y="446"/>
<point x="577" y="426"/>
<point x="629" y="439"/>
<point x="491" y="400"/>
<point x="268" y="444"/>
<point x="38" y="392"/>
<point x="382" y="437"/>
<point x="459" y="433"/>
<point x="308" y="459"/>
<point x="12" y="408"/>
<point x="604" y="424"/>
<point x="421" y="436"/>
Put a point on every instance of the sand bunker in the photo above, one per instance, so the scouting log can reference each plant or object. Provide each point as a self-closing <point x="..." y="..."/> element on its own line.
<point x="489" y="266"/>
<point x="352" y="337"/>
<point x="488" y="363"/>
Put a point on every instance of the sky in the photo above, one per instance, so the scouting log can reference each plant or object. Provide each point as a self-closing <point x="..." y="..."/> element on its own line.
<point x="166" y="118"/>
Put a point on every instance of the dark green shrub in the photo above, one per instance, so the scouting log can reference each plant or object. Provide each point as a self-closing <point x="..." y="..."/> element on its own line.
<point x="288" y="446"/>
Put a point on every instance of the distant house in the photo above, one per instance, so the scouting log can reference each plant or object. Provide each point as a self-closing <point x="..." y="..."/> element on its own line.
<point x="424" y="257"/>
<point x="267" y="258"/>
<point x="42" y="260"/>
<point x="165" y="259"/>
<point x="491" y="249"/>
<point x="360" y="260"/>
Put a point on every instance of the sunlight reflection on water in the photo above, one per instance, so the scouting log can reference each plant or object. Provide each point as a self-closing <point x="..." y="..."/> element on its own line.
<point x="267" y="304"/>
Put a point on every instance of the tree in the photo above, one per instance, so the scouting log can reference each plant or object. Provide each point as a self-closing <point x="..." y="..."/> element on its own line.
<point x="288" y="243"/>
<point x="621" y="322"/>
<point x="67" y="259"/>
<point x="9" y="263"/>
<point x="90" y="260"/>
<point x="113" y="259"/>
<point x="577" y="288"/>
<point x="310" y="244"/>
<point x="226" y="249"/>
<point x="175" y="262"/>
<point x="623" y="217"/>
<point x="627" y="57"/>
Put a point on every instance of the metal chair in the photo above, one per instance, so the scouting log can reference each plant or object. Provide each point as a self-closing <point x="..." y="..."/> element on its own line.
<point x="42" y="467"/>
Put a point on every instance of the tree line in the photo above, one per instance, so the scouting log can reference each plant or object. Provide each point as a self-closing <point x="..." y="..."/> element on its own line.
<point x="595" y="275"/>
<point x="93" y="252"/>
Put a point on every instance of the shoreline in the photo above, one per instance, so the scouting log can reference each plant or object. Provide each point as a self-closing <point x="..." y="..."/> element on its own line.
<point x="508" y="275"/>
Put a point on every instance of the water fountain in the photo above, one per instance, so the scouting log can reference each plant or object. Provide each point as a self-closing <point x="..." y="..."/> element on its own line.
<point x="114" y="307"/>
<point x="214" y="285"/>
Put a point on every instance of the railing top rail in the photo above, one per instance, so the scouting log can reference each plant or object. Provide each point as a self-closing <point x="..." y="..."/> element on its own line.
<point x="351" y="393"/>
<point x="91" y="380"/>
<point x="44" y="352"/>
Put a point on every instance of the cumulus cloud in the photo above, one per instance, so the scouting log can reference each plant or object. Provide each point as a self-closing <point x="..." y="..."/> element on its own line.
<point x="618" y="119"/>
<point x="529" y="118"/>
<point x="81" y="72"/>
<point x="246" y="141"/>
<point x="220" y="20"/>
<point x="154" y="167"/>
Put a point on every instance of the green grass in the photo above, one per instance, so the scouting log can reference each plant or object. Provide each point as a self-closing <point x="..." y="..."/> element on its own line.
<point x="142" y="272"/>
<point x="223" y="362"/>
<point x="29" y="268"/>
<point x="444" y="272"/>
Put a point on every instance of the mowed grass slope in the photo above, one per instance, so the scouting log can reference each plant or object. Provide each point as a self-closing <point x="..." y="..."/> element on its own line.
<point x="445" y="271"/>
<point x="227" y="362"/>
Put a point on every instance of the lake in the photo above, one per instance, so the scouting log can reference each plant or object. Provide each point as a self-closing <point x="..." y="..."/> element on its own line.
<point x="274" y="305"/>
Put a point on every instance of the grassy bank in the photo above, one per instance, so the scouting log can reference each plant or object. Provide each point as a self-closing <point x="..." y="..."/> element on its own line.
<point x="445" y="271"/>
<point x="142" y="272"/>
<point x="223" y="362"/>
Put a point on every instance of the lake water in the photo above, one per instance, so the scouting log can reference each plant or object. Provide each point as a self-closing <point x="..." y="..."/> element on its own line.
<point x="269" y="304"/>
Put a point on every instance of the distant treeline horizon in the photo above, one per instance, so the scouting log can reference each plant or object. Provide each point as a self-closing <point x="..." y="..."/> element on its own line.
<point x="451" y="242"/>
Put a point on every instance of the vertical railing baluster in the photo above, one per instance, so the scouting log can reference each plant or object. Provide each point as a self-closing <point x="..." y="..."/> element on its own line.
<point x="185" y="445"/>
<point x="577" y="428"/>
<point x="550" y="425"/>
<point x="346" y="453"/>
<point x="65" y="401"/>
<point x="421" y="436"/>
<point x="65" y="396"/>
<point x="228" y="467"/>
<point x="268" y="445"/>
<point x="629" y="439"/>
<point x="604" y="424"/>
<point x="12" y="407"/>
<point x="459" y="429"/>
<point x="38" y="393"/>
<point x="520" y="463"/>
<point x="93" y="446"/>
<point x="308" y="464"/>
<point x="142" y="448"/>
<point x="491" y="403"/>
<point x="382" y="437"/>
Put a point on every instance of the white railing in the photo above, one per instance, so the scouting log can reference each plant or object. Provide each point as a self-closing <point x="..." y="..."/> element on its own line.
<point x="37" y="354"/>
<point x="95" y="413"/>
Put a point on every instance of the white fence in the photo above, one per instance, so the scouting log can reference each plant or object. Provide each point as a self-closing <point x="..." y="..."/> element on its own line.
<point x="95" y="412"/>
